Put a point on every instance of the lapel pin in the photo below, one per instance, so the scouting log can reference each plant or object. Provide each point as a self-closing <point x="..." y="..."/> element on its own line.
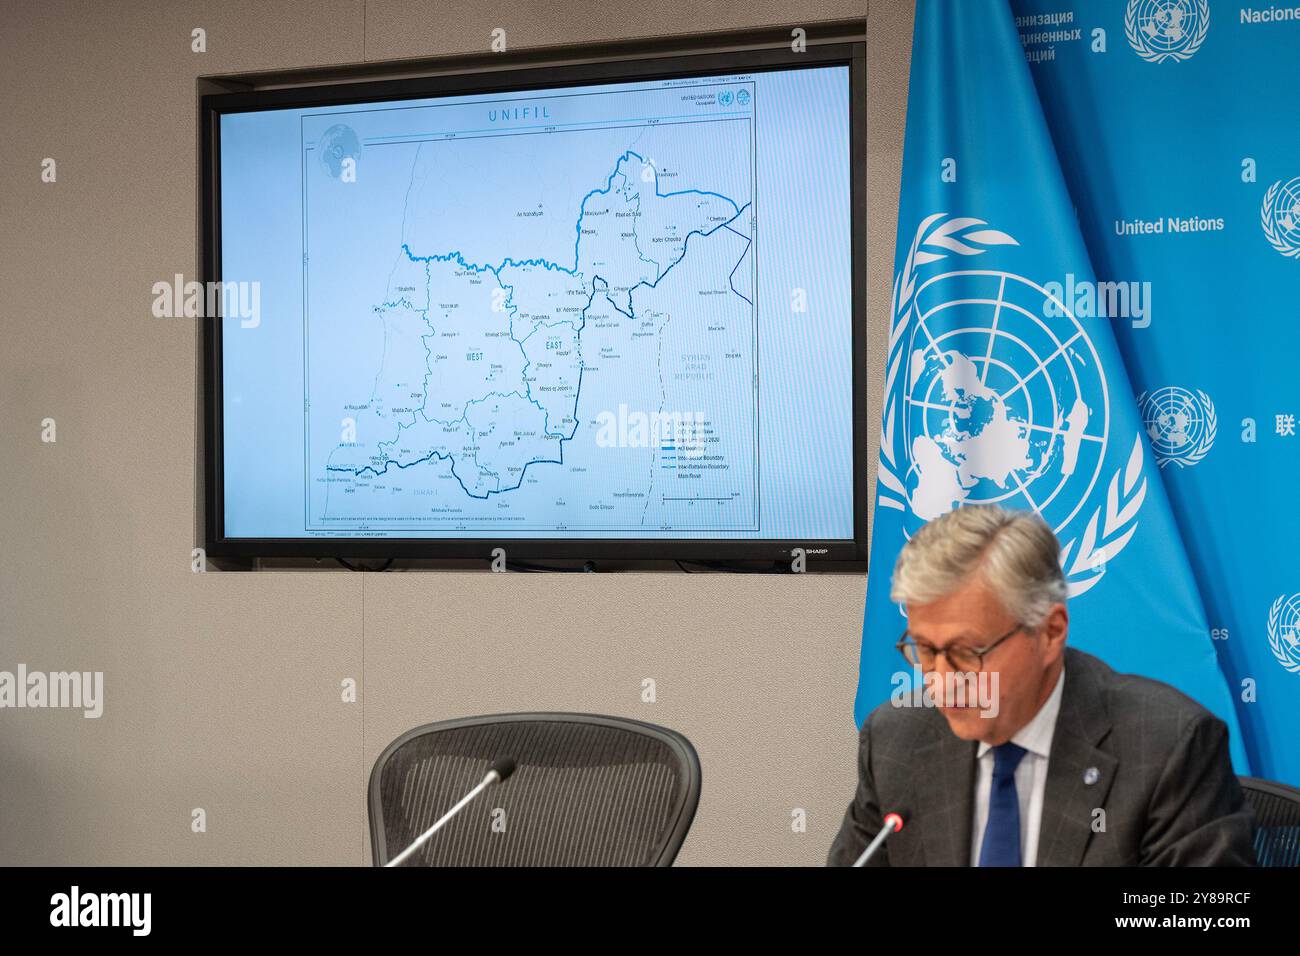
<point x="1091" y="776"/>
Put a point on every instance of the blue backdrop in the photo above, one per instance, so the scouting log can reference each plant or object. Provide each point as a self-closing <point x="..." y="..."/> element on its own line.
<point x="1097" y="275"/>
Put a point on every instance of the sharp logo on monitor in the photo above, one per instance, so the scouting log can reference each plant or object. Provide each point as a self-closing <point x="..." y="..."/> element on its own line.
<point x="456" y="292"/>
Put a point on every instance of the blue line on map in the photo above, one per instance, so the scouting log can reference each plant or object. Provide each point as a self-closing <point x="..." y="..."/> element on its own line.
<point x="457" y="257"/>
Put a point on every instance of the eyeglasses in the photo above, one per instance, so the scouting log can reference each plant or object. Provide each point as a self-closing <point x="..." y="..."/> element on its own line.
<point x="960" y="658"/>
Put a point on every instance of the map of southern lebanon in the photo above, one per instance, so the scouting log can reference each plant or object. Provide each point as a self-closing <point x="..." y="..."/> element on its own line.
<point x="562" y="337"/>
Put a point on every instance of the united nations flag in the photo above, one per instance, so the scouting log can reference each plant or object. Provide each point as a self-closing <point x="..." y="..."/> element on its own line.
<point x="995" y="391"/>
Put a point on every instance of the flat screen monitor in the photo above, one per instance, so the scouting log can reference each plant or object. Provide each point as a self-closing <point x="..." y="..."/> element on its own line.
<point x="612" y="310"/>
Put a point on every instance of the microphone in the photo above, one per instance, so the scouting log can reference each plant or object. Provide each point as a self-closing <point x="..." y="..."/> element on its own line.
<point x="498" y="772"/>
<point x="893" y="823"/>
<point x="503" y="767"/>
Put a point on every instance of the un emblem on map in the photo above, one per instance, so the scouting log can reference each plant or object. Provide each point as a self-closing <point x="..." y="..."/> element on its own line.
<point x="996" y="395"/>
<point x="337" y="145"/>
<point x="1181" y="425"/>
<point x="1284" y="631"/>
<point x="1280" y="217"/>
<point x="1162" y="30"/>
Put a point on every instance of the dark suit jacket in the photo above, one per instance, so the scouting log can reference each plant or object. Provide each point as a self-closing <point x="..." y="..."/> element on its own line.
<point x="1164" y="780"/>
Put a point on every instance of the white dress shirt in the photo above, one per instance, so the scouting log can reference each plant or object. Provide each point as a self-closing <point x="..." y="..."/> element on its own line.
<point x="1031" y="778"/>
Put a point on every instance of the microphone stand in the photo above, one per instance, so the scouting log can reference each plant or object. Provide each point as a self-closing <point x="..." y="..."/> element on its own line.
<point x="500" y="771"/>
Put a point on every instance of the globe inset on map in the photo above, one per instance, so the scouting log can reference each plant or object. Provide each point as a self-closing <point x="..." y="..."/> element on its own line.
<point x="1006" y="401"/>
<point x="338" y="143"/>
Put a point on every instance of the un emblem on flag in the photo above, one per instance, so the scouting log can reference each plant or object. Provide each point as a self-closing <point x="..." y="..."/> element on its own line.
<point x="1284" y="631"/>
<point x="995" y="394"/>
<point x="1280" y="217"/>
<point x="1160" y="30"/>
<point x="1182" y="426"/>
<point x="1002" y="404"/>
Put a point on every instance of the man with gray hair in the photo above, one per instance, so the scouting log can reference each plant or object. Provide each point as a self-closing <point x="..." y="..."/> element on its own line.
<point x="1057" y="760"/>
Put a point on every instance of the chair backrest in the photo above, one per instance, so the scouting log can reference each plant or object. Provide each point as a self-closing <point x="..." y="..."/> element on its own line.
<point x="1277" y="821"/>
<point x="587" y="790"/>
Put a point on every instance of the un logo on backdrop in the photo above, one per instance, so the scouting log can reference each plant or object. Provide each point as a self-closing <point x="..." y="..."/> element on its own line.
<point x="1280" y="217"/>
<point x="995" y="394"/>
<point x="1162" y="30"/>
<point x="1182" y="426"/>
<point x="1284" y="631"/>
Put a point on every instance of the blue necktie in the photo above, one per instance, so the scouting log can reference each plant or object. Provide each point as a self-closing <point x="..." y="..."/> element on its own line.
<point x="1001" y="845"/>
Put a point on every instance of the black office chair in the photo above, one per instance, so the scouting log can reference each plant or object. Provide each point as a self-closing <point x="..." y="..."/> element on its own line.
<point x="588" y="791"/>
<point x="1277" y="821"/>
